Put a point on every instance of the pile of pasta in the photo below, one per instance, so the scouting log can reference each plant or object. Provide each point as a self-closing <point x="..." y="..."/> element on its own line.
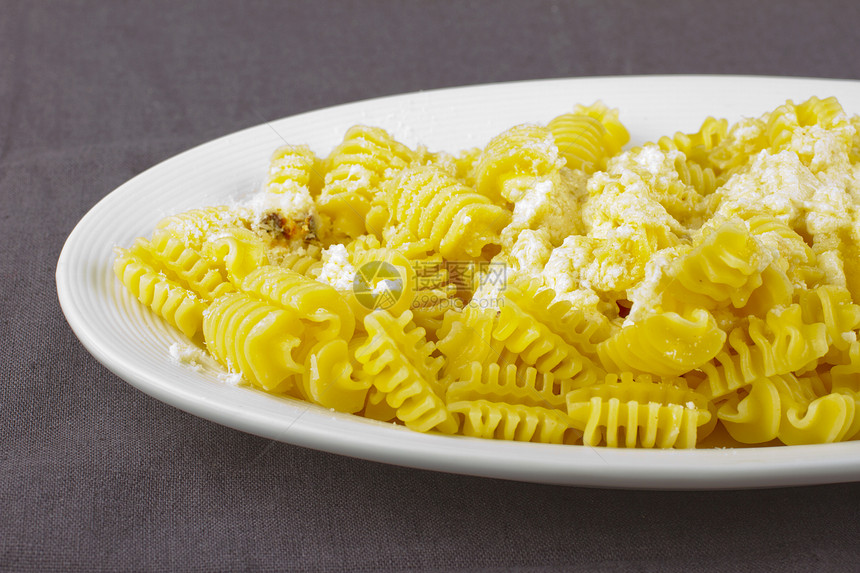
<point x="552" y="286"/>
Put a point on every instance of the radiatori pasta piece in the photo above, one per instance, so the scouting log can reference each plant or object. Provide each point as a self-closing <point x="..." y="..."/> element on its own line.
<point x="323" y="312"/>
<point x="328" y="377"/>
<point x="521" y="156"/>
<point x="534" y="342"/>
<point x="293" y="168"/>
<point x="664" y="344"/>
<point x="198" y="225"/>
<point x="550" y="286"/>
<point x="698" y="146"/>
<point x="780" y="344"/>
<point x="517" y="422"/>
<point x="790" y="409"/>
<point x="435" y="209"/>
<point x="354" y="171"/>
<point x="255" y="339"/>
<point x="724" y="268"/>
<point x="169" y="300"/>
<point x="509" y="384"/>
<point x="639" y="412"/>
<point x="398" y="359"/>
<point x="589" y="136"/>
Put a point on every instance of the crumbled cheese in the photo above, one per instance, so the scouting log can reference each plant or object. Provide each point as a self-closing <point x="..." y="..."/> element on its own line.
<point x="294" y="203"/>
<point x="531" y="251"/>
<point x="231" y="378"/>
<point x="386" y="285"/>
<point x="336" y="269"/>
<point x="652" y="159"/>
<point x="187" y="355"/>
<point x="646" y="294"/>
<point x="551" y="204"/>
<point x="777" y="184"/>
<point x="748" y="129"/>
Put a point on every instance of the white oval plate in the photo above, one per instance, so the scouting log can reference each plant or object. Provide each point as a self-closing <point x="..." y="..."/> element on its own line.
<point x="134" y="344"/>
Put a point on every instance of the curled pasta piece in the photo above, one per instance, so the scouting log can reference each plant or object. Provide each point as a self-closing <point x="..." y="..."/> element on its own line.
<point x="588" y="137"/>
<point x="724" y="268"/>
<point x="787" y="408"/>
<point x="523" y="153"/>
<point x="254" y="339"/>
<point x="781" y="124"/>
<point x="328" y="378"/>
<point x="628" y="411"/>
<point x="398" y="358"/>
<point x="665" y="344"/>
<point x="465" y="337"/>
<point x="580" y="141"/>
<point x="430" y="305"/>
<point x="743" y="140"/>
<point x="377" y="408"/>
<point x="197" y="225"/>
<point x="355" y="169"/>
<point x="616" y="135"/>
<point x="832" y="306"/>
<point x="177" y="305"/>
<point x="809" y="418"/>
<point x="827" y="112"/>
<point x="513" y="422"/>
<point x="447" y="216"/>
<point x="779" y="344"/>
<point x="798" y="259"/>
<point x="184" y="264"/>
<point x="534" y="341"/>
<point x="846" y="373"/>
<point x="374" y="265"/>
<point x="702" y="179"/>
<point x="560" y="316"/>
<point x="755" y="418"/>
<point x="307" y="263"/>
<point x="697" y="146"/>
<point x="509" y="384"/>
<point x="240" y="251"/>
<point x="323" y="310"/>
<point x="292" y="168"/>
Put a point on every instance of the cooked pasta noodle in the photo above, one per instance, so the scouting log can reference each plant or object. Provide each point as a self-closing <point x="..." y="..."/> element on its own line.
<point x="550" y="286"/>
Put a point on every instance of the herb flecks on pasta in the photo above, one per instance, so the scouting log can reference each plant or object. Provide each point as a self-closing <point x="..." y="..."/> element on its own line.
<point x="550" y="286"/>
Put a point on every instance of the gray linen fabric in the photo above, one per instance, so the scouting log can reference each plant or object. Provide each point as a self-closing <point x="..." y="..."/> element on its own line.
<point x="96" y="476"/>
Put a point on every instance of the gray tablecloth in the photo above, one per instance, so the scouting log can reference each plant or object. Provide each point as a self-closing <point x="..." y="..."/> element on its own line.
<point x="95" y="475"/>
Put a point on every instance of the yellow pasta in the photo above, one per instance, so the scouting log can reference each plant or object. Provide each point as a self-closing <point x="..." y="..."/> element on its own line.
<point x="354" y="171"/>
<point x="588" y="137"/>
<point x="328" y="378"/>
<point x="169" y="300"/>
<point x="255" y="339"/>
<point x="294" y="167"/>
<point x="398" y="358"/>
<point x="509" y="384"/>
<point x="550" y="286"/>
<point x="665" y="344"/>
<point x="433" y="208"/>
<point x="780" y="344"/>
<point x="790" y="410"/>
<point x="516" y="422"/>
<point x="520" y="156"/>
<point x="630" y="412"/>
